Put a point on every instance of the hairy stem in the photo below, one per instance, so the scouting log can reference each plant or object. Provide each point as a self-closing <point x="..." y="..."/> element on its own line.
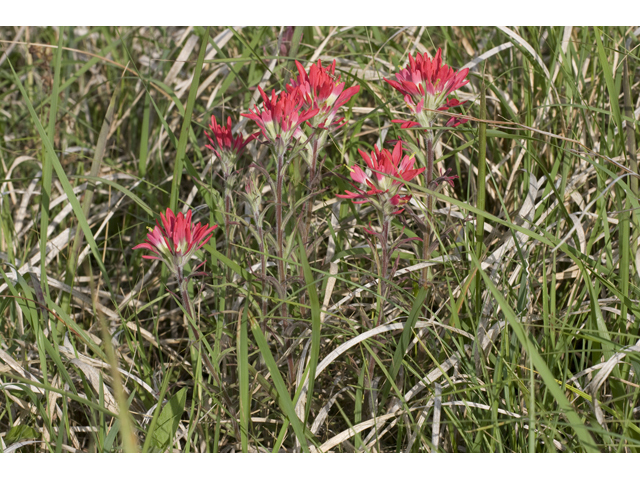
<point x="384" y="264"/>
<point x="228" y="237"/>
<point x="428" y="178"/>
<point x="282" y="273"/>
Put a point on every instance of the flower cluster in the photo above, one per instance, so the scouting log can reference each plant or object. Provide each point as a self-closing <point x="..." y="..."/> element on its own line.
<point x="390" y="172"/>
<point x="176" y="239"/>
<point x="225" y="145"/>
<point x="314" y="98"/>
<point x="322" y="89"/>
<point x="426" y="84"/>
<point x="280" y="117"/>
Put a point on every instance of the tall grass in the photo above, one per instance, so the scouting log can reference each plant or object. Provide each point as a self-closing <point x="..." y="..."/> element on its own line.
<point x="525" y="338"/>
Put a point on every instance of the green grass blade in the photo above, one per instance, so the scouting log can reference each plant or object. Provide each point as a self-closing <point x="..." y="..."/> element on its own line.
<point x="283" y="395"/>
<point x="168" y="420"/>
<point x="66" y="186"/>
<point x="243" y="376"/>
<point x="481" y="191"/>
<point x="608" y="77"/>
<point x="316" y="326"/>
<point x="564" y="406"/>
<point x="47" y="166"/>
<point x="186" y="125"/>
<point x="150" y="437"/>
<point x="403" y="343"/>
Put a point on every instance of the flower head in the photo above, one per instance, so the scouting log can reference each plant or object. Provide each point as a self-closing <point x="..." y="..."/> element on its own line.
<point x="389" y="172"/>
<point x="225" y="145"/>
<point x="176" y="239"/>
<point x="280" y="117"/>
<point x="321" y="89"/>
<point x="426" y="83"/>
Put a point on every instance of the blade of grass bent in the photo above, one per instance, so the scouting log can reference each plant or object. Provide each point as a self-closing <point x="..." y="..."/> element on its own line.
<point x="101" y="146"/>
<point x="64" y="181"/>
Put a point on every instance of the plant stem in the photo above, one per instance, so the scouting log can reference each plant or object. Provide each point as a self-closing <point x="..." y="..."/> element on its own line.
<point x="383" y="274"/>
<point x="280" y="232"/>
<point x="317" y="145"/>
<point x="228" y="237"/>
<point x="282" y="274"/>
<point x="428" y="178"/>
<point x="481" y="198"/>
<point x="384" y="263"/>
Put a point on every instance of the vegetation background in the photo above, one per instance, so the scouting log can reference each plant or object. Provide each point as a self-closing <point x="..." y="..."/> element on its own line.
<point x="525" y="340"/>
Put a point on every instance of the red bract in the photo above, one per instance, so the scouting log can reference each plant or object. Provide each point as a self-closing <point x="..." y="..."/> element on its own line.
<point x="176" y="239"/>
<point x="280" y="117"/>
<point x="426" y="84"/>
<point x="388" y="169"/>
<point x="223" y="143"/>
<point x="321" y="89"/>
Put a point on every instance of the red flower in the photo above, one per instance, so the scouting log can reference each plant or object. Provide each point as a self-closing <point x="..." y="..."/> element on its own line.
<point x="388" y="169"/>
<point x="281" y="117"/>
<point x="426" y="84"/>
<point x="176" y="239"/>
<point x="321" y="89"/>
<point x="223" y="143"/>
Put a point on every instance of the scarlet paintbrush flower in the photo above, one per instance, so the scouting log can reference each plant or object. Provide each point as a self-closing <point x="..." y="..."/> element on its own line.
<point x="280" y="117"/>
<point x="426" y="84"/>
<point x="225" y="145"/>
<point x="323" y="90"/>
<point x="176" y="239"/>
<point x="389" y="169"/>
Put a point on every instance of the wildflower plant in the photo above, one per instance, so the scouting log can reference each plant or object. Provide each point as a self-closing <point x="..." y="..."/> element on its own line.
<point x="323" y="323"/>
<point x="323" y="90"/>
<point x="228" y="148"/>
<point x="426" y="85"/>
<point x="319" y="89"/>
<point x="173" y="241"/>
<point x="385" y="188"/>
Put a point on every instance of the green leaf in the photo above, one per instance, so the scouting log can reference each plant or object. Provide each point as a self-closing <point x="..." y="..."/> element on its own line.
<point x="169" y="420"/>
<point x="21" y="432"/>
<point x="283" y="394"/>
<point x="404" y="341"/>
<point x="316" y="326"/>
<point x="243" y="376"/>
